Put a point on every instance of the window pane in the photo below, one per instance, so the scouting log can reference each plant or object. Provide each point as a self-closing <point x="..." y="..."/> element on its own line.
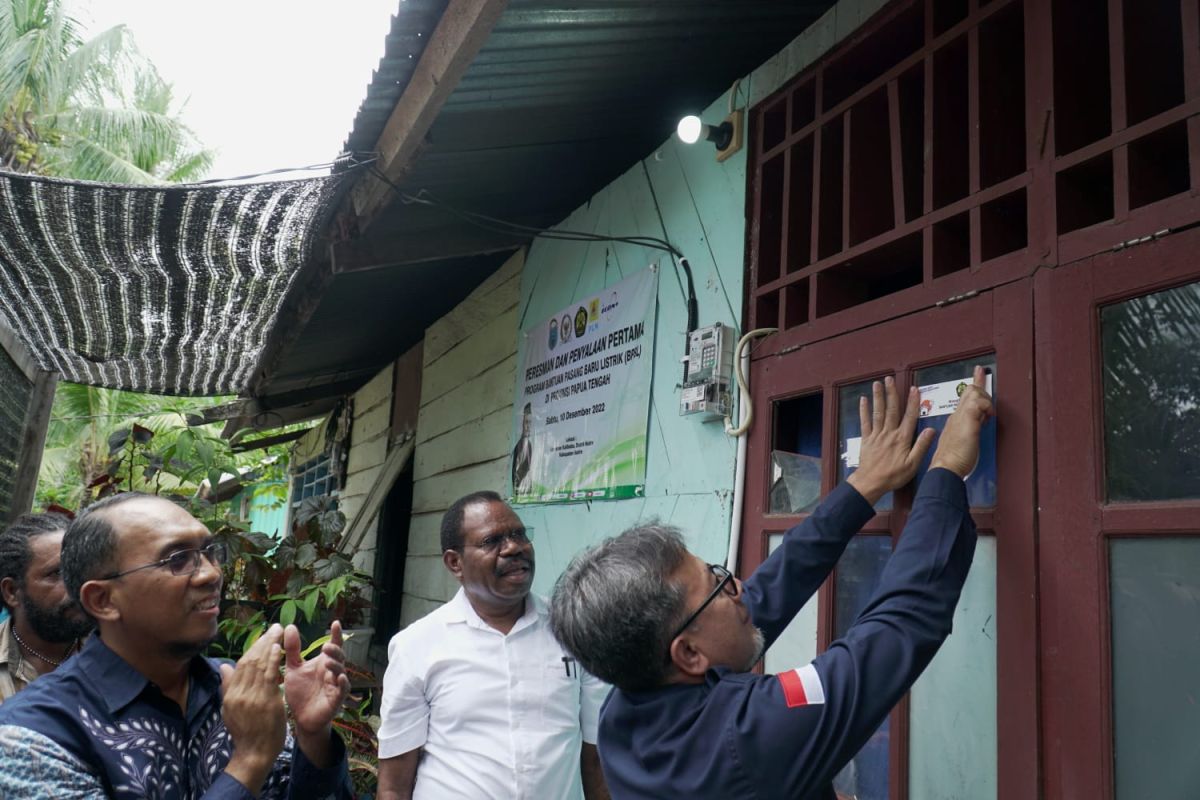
<point x="850" y="434"/>
<point x="952" y="710"/>
<point x="940" y="383"/>
<point x="797" y="645"/>
<point x="858" y="574"/>
<point x="796" y="455"/>
<point x="1152" y="396"/>
<point x="1155" y="598"/>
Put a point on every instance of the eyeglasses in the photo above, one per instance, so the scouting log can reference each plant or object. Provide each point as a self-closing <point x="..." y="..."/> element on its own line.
<point x="725" y="583"/>
<point x="518" y="536"/>
<point x="182" y="562"/>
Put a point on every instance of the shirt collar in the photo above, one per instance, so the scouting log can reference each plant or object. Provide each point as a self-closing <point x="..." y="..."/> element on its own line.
<point x="118" y="682"/>
<point x="8" y="644"/>
<point x="459" y="609"/>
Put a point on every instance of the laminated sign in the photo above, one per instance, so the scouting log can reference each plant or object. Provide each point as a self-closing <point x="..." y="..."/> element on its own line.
<point x="582" y="406"/>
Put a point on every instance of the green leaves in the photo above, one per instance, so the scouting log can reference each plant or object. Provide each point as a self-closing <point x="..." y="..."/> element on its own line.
<point x="92" y="109"/>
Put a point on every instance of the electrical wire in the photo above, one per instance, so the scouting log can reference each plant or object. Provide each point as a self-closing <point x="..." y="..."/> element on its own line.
<point x="346" y="160"/>
<point x="744" y="398"/>
<point x="508" y="228"/>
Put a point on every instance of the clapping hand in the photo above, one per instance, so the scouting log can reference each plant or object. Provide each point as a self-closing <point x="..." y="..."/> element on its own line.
<point x="315" y="690"/>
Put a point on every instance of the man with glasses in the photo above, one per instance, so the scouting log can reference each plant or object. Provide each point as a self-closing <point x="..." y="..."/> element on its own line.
<point x="678" y="638"/>
<point x="479" y="700"/>
<point x="139" y="712"/>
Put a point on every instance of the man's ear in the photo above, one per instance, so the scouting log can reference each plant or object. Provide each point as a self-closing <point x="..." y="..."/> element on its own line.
<point x="12" y="595"/>
<point x="453" y="561"/>
<point x="96" y="597"/>
<point x="687" y="659"/>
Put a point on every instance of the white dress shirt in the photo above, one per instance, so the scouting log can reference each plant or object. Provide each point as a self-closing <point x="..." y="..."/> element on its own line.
<point x="499" y="716"/>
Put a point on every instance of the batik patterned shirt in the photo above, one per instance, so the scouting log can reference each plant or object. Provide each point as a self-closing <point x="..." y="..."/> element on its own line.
<point x="96" y="727"/>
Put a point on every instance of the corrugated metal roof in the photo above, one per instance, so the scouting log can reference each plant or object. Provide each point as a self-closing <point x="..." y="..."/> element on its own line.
<point x="412" y="25"/>
<point x="562" y="98"/>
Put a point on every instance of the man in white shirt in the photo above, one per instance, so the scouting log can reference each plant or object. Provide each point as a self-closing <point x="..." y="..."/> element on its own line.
<point x="479" y="699"/>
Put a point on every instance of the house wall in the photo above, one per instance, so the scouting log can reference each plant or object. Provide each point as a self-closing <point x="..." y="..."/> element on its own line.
<point x="372" y="409"/>
<point x="682" y="194"/>
<point x="468" y="371"/>
<point x="465" y="434"/>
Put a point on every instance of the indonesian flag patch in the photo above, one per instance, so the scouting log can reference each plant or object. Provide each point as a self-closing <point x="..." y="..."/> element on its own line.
<point x="802" y="687"/>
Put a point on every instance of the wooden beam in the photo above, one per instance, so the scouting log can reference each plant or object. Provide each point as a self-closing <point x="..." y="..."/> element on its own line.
<point x="460" y="34"/>
<point x="392" y="467"/>
<point x="18" y="352"/>
<point x="33" y="441"/>
<point x="246" y="445"/>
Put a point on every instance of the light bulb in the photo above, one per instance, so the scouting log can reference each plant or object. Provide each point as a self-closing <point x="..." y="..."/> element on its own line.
<point x="689" y="129"/>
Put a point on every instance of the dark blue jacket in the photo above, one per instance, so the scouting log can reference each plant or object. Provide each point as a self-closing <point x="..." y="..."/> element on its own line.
<point x="743" y="735"/>
<point x="95" y="727"/>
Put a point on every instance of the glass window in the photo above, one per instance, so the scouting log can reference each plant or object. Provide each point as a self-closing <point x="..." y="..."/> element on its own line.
<point x="1152" y="396"/>
<point x="797" y="645"/>
<point x="939" y="387"/>
<point x="796" y="455"/>
<point x="1155" y="596"/>
<point x="858" y="574"/>
<point x="314" y="479"/>
<point x="850" y="433"/>
<point x="952" y="710"/>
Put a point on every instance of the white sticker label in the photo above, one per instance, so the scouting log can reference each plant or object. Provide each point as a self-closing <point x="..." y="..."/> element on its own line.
<point x="693" y="394"/>
<point x="940" y="399"/>
<point x="853" y="449"/>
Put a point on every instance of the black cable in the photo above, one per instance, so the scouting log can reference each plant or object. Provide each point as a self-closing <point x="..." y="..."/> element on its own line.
<point x="346" y="161"/>
<point x="507" y="228"/>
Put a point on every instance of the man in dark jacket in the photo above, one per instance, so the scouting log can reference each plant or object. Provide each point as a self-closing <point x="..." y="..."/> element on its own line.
<point x="678" y="637"/>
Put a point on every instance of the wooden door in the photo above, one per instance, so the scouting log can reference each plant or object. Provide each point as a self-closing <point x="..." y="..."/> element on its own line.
<point x="1118" y="383"/>
<point x="806" y="406"/>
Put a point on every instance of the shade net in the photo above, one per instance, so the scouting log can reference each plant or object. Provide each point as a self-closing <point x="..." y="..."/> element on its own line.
<point x="169" y="290"/>
<point x="16" y="392"/>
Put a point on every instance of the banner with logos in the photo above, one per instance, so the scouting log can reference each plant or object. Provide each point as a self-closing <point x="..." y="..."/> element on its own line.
<point x="582" y="406"/>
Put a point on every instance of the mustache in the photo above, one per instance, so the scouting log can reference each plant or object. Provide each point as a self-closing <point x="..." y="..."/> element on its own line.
<point x="513" y="562"/>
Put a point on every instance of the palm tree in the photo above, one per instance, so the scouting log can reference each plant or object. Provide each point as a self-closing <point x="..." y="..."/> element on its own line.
<point x="91" y="109"/>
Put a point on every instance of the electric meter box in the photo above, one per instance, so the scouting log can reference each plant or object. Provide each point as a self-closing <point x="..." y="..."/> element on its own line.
<point x="708" y="378"/>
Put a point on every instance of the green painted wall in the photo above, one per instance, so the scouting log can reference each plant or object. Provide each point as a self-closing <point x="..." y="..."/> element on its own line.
<point x="682" y="194"/>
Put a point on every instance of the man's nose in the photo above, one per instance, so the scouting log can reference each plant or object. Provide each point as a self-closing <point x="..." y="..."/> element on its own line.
<point x="207" y="572"/>
<point x="511" y="545"/>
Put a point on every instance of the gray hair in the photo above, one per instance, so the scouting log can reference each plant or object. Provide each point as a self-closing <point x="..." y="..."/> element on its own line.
<point x="615" y="606"/>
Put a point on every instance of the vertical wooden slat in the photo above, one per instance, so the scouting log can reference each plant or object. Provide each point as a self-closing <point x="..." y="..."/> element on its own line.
<point x="1039" y="130"/>
<point x="846" y="167"/>
<point x="1116" y="64"/>
<point x="927" y="189"/>
<point x="818" y="135"/>
<point x="976" y="239"/>
<point x="893" y="89"/>
<point x="973" y="109"/>
<point x="33" y="441"/>
<point x="1190" y="17"/>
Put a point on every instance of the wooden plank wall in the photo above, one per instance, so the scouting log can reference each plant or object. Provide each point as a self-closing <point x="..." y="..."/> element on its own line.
<point x="368" y="449"/>
<point x="463" y="427"/>
<point x="466" y="424"/>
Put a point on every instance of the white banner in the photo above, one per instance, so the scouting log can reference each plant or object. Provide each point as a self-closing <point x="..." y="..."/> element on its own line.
<point x="582" y="405"/>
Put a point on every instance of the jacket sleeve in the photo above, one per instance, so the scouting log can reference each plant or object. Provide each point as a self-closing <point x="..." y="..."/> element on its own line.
<point x="781" y="586"/>
<point x="34" y="766"/>
<point x="799" y="728"/>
